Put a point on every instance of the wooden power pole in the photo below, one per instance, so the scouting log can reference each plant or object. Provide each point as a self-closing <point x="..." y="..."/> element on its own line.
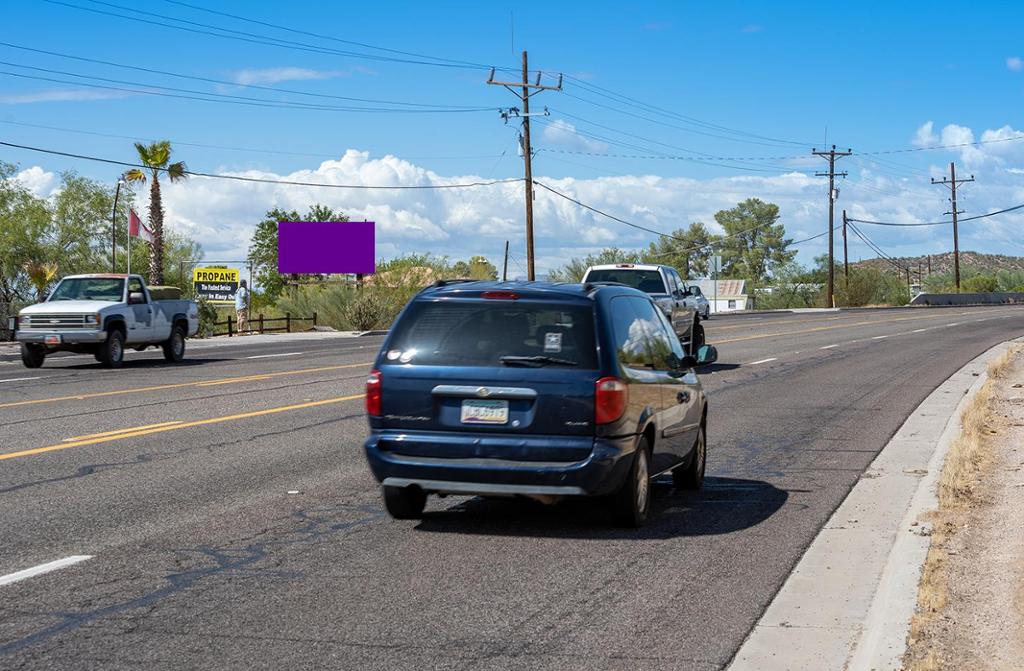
<point x="831" y="155"/>
<point x="952" y="182"/>
<point x="527" y="89"/>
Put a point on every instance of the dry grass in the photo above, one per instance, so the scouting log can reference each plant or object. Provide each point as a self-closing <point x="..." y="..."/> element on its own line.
<point x="965" y="465"/>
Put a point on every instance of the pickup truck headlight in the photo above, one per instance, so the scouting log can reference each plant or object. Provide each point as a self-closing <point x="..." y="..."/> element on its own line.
<point x="92" y="319"/>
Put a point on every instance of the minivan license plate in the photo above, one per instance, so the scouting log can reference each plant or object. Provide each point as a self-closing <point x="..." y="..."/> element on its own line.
<point x="484" y="412"/>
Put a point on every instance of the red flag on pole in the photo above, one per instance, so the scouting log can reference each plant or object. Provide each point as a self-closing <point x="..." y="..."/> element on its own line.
<point x="137" y="229"/>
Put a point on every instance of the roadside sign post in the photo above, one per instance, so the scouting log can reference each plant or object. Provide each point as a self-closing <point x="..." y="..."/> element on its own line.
<point x="716" y="267"/>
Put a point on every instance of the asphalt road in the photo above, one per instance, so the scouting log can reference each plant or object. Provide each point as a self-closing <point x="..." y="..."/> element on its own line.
<point x="232" y="523"/>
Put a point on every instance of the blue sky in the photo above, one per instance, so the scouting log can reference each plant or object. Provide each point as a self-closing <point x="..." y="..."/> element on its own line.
<point x="772" y="78"/>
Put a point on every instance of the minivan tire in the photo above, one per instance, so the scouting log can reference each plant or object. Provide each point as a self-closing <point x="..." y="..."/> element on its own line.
<point x="174" y="347"/>
<point x="111" y="353"/>
<point x="691" y="476"/>
<point x="32" y="355"/>
<point x="697" y="339"/>
<point x="632" y="503"/>
<point x="404" y="503"/>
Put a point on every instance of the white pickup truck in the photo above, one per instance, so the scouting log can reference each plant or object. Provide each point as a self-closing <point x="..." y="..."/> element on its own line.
<point x="103" y="314"/>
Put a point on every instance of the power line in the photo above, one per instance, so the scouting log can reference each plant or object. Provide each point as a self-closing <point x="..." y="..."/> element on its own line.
<point x="192" y="94"/>
<point x="219" y="147"/>
<point x="331" y="38"/>
<point x="941" y="223"/>
<point x="222" y="82"/>
<point x="676" y="115"/>
<point x="252" y="38"/>
<point x="260" y="180"/>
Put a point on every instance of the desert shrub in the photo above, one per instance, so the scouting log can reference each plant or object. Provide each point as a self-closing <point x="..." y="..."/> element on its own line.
<point x="207" y="318"/>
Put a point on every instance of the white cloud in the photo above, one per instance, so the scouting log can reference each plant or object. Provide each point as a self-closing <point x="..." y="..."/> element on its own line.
<point x="283" y="74"/>
<point x="459" y="223"/>
<point x="564" y="134"/>
<point x="58" y="95"/>
<point x="40" y="182"/>
<point x="1015" y="64"/>
<point x="924" y="136"/>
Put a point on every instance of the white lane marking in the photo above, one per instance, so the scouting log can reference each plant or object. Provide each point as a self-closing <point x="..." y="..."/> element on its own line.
<point x="20" y="379"/>
<point x="42" y="568"/>
<point x="919" y="330"/>
<point x="954" y="324"/>
<point x="267" y="356"/>
<point x="830" y="346"/>
<point x="754" y="363"/>
<point x="880" y="337"/>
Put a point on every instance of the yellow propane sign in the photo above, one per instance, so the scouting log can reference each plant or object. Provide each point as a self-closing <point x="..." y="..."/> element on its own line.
<point x="217" y="285"/>
<point x="215" y="275"/>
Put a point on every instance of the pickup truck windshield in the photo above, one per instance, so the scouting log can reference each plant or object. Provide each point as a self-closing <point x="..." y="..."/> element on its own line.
<point x="486" y="333"/>
<point x="89" y="289"/>
<point x="647" y="281"/>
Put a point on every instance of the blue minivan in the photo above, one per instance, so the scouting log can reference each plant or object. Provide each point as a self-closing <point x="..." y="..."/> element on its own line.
<point x="534" y="389"/>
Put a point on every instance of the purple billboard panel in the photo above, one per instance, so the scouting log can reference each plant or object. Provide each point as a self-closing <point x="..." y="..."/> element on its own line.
<point x="325" y="247"/>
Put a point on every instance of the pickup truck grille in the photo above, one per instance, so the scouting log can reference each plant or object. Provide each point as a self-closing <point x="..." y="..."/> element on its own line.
<point x="51" y="322"/>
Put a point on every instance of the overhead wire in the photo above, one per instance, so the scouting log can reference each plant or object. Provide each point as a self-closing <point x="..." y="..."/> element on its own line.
<point x="261" y="180"/>
<point x="223" y="82"/>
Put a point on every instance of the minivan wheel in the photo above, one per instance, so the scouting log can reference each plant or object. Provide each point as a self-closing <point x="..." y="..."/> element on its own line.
<point x="404" y="503"/>
<point x="632" y="502"/>
<point x="691" y="476"/>
<point x="696" y="338"/>
<point x="32" y="355"/>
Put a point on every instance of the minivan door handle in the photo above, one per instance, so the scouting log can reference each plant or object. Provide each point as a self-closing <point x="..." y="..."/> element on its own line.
<point x="683" y="397"/>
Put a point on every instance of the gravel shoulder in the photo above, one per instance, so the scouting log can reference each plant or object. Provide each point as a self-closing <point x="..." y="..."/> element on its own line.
<point x="971" y="606"/>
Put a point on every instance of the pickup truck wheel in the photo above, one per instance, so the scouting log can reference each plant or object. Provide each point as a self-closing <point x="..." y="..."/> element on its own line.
<point x="404" y="503"/>
<point x="111" y="353"/>
<point x="691" y="476"/>
<point x="174" y="347"/>
<point x="696" y="338"/>
<point x="32" y="355"/>
<point x="632" y="503"/>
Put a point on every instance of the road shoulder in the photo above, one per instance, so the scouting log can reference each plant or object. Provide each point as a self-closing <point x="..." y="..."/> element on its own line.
<point x="849" y="601"/>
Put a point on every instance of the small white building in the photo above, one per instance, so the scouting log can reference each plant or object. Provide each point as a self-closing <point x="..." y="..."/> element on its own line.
<point x="730" y="296"/>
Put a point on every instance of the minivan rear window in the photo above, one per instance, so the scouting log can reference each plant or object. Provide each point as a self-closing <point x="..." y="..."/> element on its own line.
<point x="480" y="333"/>
<point x="647" y="281"/>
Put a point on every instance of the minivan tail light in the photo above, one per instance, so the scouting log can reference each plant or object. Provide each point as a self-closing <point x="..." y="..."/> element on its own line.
<point x="373" y="392"/>
<point x="610" y="397"/>
<point x="501" y="295"/>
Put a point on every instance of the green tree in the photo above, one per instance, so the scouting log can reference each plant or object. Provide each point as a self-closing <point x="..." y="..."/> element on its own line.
<point x="688" y="250"/>
<point x="753" y="244"/>
<point x="980" y="284"/>
<point x="263" y="245"/>
<point x="477" y="268"/>
<point x="157" y="158"/>
<point x="573" y="271"/>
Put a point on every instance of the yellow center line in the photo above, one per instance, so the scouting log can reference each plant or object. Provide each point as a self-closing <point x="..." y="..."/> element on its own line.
<point x="118" y="431"/>
<point x="838" y="326"/>
<point x="134" y="432"/>
<point x="182" y="385"/>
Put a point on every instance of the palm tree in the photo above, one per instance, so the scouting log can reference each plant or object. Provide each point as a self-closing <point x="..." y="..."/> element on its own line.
<point x="156" y="157"/>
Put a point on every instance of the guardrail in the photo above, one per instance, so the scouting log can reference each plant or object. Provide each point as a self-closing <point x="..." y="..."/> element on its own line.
<point x="989" y="298"/>
<point x="259" y="325"/>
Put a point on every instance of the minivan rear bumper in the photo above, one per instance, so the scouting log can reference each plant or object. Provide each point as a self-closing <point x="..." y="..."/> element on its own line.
<point x="602" y="472"/>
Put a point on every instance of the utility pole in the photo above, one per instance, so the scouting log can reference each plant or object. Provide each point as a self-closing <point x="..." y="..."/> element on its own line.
<point x="952" y="182"/>
<point x="504" y="267"/>
<point x="526" y="87"/>
<point x="113" y="226"/>
<point x="831" y="155"/>
<point x="929" y="265"/>
<point x="846" y="257"/>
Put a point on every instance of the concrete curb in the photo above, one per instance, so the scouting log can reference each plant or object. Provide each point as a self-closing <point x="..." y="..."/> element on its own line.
<point x="848" y="602"/>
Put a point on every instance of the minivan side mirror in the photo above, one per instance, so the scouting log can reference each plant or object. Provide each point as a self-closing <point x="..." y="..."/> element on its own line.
<point x="706" y="354"/>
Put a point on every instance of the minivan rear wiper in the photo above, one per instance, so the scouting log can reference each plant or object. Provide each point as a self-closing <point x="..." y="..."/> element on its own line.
<point x="535" y="361"/>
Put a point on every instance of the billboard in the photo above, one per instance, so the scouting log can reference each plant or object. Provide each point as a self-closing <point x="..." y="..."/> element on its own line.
<point x="216" y="285"/>
<point x="324" y="247"/>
